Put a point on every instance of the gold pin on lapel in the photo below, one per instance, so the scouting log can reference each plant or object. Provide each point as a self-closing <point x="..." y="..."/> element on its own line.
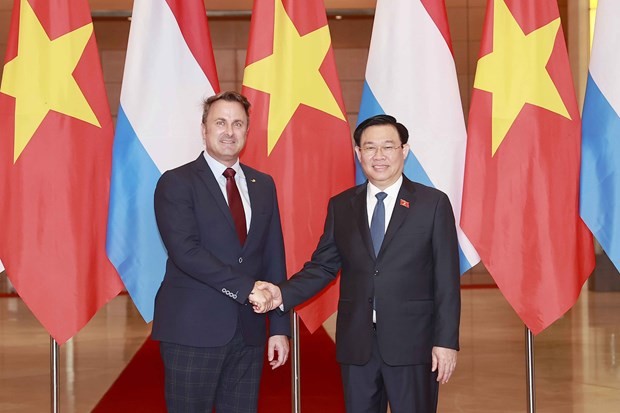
<point x="252" y="180"/>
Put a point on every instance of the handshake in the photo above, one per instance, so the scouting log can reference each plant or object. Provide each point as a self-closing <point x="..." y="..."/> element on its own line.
<point x="265" y="297"/>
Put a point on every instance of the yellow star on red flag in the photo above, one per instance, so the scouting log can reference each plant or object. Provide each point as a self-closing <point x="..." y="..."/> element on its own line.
<point x="515" y="72"/>
<point x="521" y="188"/>
<point x="55" y="162"/>
<point x="291" y="74"/>
<point x="40" y="77"/>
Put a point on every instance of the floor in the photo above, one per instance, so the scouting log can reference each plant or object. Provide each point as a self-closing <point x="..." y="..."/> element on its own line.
<point x="577" y="358"/>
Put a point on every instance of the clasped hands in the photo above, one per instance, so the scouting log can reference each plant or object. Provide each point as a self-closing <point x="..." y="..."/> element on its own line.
<point x="265" y="297"/>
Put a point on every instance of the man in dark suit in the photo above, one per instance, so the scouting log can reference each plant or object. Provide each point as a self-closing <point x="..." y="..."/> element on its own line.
<point x="397" y="332"/>
<point x="220" y="223"/>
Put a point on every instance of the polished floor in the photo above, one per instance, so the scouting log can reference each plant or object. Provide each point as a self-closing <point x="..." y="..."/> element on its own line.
<point x="577" y="359"/>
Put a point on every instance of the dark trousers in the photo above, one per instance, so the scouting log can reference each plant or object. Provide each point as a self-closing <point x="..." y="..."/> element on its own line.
<point x="200" y="378"/>
<point x="409" y="389"/>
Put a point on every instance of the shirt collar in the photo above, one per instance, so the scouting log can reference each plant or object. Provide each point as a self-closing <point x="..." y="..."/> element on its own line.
<point x="391" y="191"/>
<point x="218" y="168"/>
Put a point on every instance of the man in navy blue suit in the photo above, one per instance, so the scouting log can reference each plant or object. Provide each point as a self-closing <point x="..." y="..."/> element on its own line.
<point x="397" y="332"/>
<point x="220" y="223"/>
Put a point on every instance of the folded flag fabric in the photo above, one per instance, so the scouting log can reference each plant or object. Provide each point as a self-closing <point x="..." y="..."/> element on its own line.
<point x="55" y="156"/>
<point x="521" y="191"/>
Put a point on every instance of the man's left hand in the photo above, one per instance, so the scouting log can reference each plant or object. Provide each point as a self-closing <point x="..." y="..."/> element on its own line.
<point x="279" y="345"/>
<point x="444" y="361"/>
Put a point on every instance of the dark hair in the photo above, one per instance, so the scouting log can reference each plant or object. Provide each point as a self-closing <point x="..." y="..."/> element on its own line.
<point x="228" y="96"/>
<point x="377" y="120"/>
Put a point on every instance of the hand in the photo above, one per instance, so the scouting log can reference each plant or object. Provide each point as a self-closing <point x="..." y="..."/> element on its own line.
<point x="444" y="361"/>
<point x="274" y="292"/>
<point x="261" y="300"/>
<point x="277" y="344"/>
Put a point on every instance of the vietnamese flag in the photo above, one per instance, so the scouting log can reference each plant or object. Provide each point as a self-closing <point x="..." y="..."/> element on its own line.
<point x="521" y="193"/>
<point x="55" y="153"/>
<point x="298" y="129"/>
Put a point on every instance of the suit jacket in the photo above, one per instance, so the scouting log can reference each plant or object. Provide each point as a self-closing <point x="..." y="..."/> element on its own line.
<point x="209" y="275"/>
<point x="414" y="279"/>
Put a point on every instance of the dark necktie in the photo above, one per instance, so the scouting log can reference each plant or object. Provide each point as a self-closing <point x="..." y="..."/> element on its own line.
<point x="377" y="223"/>
<point x="235" y="204"/>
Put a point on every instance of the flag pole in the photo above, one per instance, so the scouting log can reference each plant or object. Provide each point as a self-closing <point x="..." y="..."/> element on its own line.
<point x="295" y="376"/>
<point x="529" y="367"/>
<point x="54" y="374"/>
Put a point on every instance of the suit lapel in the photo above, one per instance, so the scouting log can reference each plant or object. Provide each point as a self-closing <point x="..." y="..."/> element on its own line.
<point x="206" y="176"/>
<point x="401" y="210"/>
<point x="358" y="204"/>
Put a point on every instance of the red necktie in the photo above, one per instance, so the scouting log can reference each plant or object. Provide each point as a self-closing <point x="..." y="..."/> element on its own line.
<point x="235" y="204"/>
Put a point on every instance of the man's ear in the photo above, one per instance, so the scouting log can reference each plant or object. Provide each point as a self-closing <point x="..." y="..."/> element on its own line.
<point x="358" y="153"/>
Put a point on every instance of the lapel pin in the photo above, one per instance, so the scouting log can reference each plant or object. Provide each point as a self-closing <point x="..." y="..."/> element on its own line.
<point x="252" y="180"/>
<point x="404" y="203"/>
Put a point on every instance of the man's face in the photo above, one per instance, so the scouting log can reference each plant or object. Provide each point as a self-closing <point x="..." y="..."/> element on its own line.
<point x="225" y="131"/>
<point x="381" y="155"/>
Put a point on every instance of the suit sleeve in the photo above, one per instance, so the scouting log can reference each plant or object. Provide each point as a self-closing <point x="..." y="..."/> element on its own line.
<point x="317" y="273"/>
<point x="447" y="277"/>
<point x="176" y="219"/>
<point x="275" y="268"/>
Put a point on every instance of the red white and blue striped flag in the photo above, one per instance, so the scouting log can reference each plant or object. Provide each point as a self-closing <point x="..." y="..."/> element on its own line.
<point x="168" y="72"/>
<point x="600" y="154"/>
<point x="411" y="75"/>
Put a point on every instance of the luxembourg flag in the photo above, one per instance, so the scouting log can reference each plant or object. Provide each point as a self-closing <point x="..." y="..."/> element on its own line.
<point x="411" y="75"/>
<point x="600" y="155"/>
<point x="169" y="70"/>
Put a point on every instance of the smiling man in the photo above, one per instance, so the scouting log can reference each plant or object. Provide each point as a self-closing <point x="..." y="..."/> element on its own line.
<point x="220" y="223"/>
<point x="397" y="332"/>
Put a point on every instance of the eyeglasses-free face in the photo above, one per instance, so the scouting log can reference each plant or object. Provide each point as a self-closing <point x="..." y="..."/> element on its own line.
<point x="224" y="131"/>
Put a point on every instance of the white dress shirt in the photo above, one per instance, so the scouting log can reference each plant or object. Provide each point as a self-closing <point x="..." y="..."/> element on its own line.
<point x="389" y="202"/>
<point x="218" y="169"/>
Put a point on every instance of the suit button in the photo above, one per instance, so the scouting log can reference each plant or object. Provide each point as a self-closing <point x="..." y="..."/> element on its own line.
<point x="370" y="300"/>
<point x="240" y="260"/>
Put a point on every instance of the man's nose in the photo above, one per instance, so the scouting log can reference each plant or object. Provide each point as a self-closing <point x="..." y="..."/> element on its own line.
<point x="379" y="154"/>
